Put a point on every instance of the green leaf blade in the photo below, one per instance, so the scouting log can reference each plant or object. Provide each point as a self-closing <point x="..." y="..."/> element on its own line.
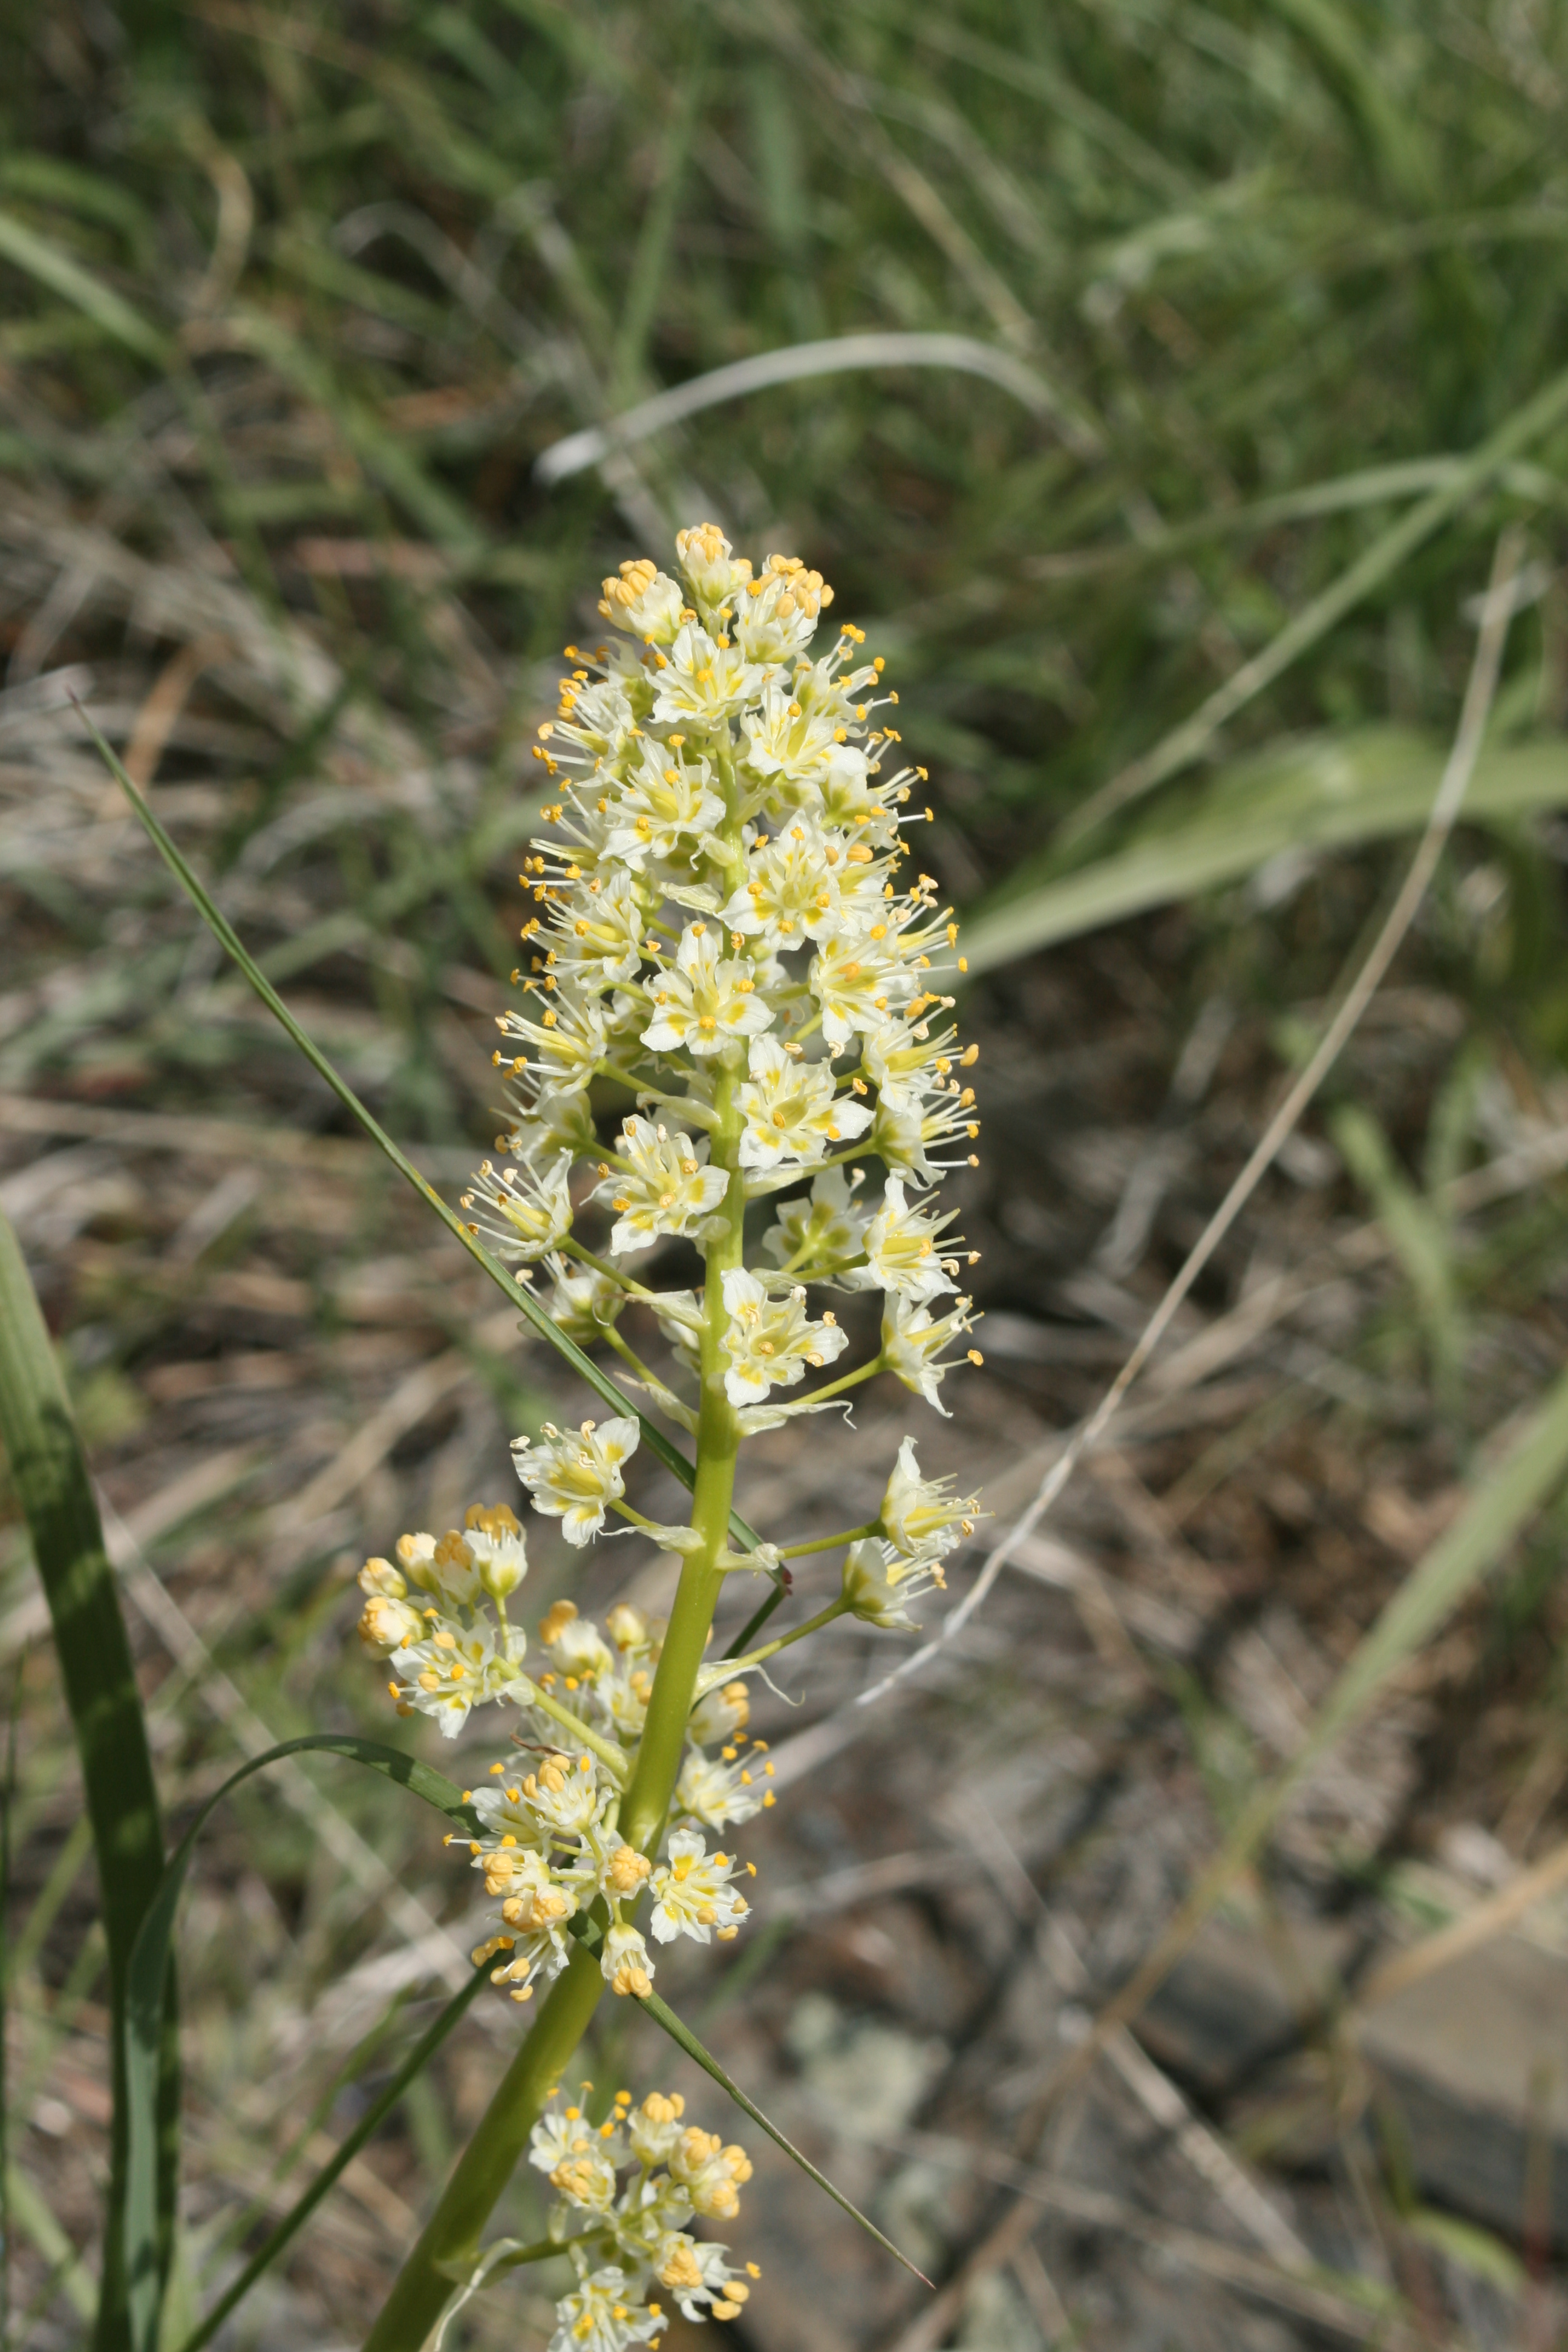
<point x="50" y="1473"/>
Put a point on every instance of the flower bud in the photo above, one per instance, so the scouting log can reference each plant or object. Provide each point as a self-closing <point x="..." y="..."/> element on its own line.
<point x="387" y="1624"/>
<point x="380" y="1576"/>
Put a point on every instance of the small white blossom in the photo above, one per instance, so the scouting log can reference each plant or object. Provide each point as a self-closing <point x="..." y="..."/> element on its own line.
<point x="817" y="1237"/>
<point x="717" y="1794"/>
<point x="666" y="810"/>
<point x="655" y="2127"/>
<point x="448" y="1672"/>
<point x="665" y="1187"/>
<point x="644" y="601"/>
<point x="566" y="1044"/>
<point x="599" y="2317"/>
<point x="692" y="1894"/>
<point x="857" y="979"/>
<point x="793" y="1109"/>
<point x="601" y="943"/>
<point x="525" y="1211"/>
<point x="709" y="2171"/>
<point x="574" y="1476"/>
<point x="720" y="1715"/>
<point x="912" y="1342"/>
<point x="902" y="1252"/>
<point x="770" y="1341"/>
<point x="791" y="891"/>
<point x="695" y="2272"/>
<point x="713" y="573"/>
<point x="923" y="1518"/>
<point x="704" y="999"/>
<point x="575" y="1644"/>
<point x="703" y="682"/>
<point x="878" y="1585"/>
<point x="625" y="1964"/>
<point x="498" y="1548"/>
<point x="584" y="1303"/>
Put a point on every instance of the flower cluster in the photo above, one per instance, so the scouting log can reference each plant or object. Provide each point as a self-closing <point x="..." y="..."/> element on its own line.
<point x="720" y="939"/>
<point x="548" y="1845"/>
<point x="716" y="926"/>
<point x="627" y="2190"/>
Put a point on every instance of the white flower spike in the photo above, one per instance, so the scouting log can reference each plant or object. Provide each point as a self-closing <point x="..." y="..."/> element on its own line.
<point x="729" y="987"/>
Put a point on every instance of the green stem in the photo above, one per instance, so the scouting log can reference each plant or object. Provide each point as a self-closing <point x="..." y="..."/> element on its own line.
<point x="663" y="1741"/>
<point x="611" y="1757"/>
<point x="727" y="1666"/>
<point x="571" y="1247"/>
<point x="629" y="1357"/>
<point x="830" y="1543"/>
<point x="487" y="2163"/>
<point x="452" y="2233"/>
<point x="850" y="1379"/>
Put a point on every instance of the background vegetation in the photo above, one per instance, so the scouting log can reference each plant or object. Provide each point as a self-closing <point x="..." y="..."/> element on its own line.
<point x="1178" y="600"/>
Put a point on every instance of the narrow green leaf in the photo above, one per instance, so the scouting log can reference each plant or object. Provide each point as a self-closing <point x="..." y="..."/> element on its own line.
<point x="7" y="1979"/>
<point x="1189" y="741"/>
<point x="149" y="1971"/>
<point x="517" y="1293"/>
<point x="1306" y="793"/>
<point x="27" y="251"/>
<point x="52" y="1478"/>
<point x="1529" y="1472"/>
<point x="589" y="1932"/>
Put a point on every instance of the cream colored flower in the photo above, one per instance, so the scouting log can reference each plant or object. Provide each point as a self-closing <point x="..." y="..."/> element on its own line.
<point x="902" y="1249"/>
<point x="705" y="998"/>
<point x="857" y="979"/>
<point x="525" y="1211"/>
<point x="574" y="1476"/>
<point x="818" y="1237"/>
<point x="709" y="2171"/>
<point x="644" y="601"/>
<point x="878" y="1585"/>
<point x="664" y="1186"/>
<point x="717" y="1794"/>
<point x="692" y="1894"/>
<point x="770" y="1341"/>
<point x="923" y="1518"/>
<point x="713" y="573"/>
<point x="791" y="893"/>
<point x="793" y="1109"/>
<point x="603" y="2315"/>
<point x="913" y="1342"/>
<point x="667" y="809"/>
<point x="627" y="1964"/>
<point x="705" y="682"/>
<point x="447" y="1672"/>
<point x="497" y="1546"/>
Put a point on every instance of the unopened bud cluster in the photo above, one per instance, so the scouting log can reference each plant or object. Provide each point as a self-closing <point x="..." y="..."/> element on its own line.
<point x="627" y="2189"/>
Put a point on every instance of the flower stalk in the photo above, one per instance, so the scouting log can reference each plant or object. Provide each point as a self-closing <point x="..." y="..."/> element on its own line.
<point x="718" y="923"/>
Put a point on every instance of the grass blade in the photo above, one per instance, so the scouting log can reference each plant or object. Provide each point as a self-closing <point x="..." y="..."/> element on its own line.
<point x="149" y="1971"/>
<point x="588" y="1931"/>
<point x="1188" y="741"/>
<point x="7" y="1807"/>
<point x="44" y="262"/>
<point x="52" y="1478"/>
<point x="1328" y="792"/>
<point x="517" y="1293"/>
<point x="834" y="355"/>
<point x="1533" y="1467"/>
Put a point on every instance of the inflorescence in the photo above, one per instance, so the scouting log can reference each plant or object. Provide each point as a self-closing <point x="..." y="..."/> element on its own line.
<point x="715" y="925"/>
